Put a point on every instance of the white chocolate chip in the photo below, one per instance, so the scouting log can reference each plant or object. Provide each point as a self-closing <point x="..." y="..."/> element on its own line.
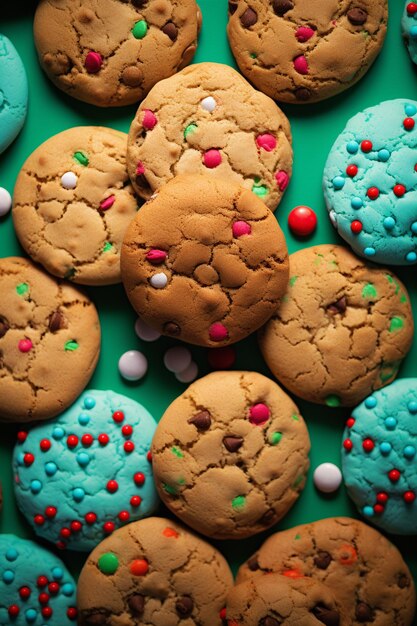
<point x="327" y="477"/>
<point x="5" y="202"/>
<point x="159" y="281"/>
<point x="209" y="104"/>
<point x="69" y="180"/>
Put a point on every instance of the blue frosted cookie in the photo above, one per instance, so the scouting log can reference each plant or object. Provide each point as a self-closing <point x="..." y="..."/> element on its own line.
<point x="379" y="457"/>
<point x="35" y="586"/>
<point x="370" y="183"/>
<point x="87" y="472"/>
<point x="409" y="28"/>
<point x="13" y="93"/>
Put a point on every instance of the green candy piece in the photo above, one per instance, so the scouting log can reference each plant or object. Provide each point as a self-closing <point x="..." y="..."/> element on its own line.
<point x="275" y="438"/>
<point x="71" y="345"/>
<point x="396" y="324"/>
<point x="293" y="280"/>
<point x="107" y="247"/>
<point x="108" y="563"/>
<point x="388" y="371"/>
<point x="140" y="29"/>
<point x="298" y="480"/>
<point x="22" y="288"/>
<point x="295" y="417"/>
<point x="70" y="273"/>
<point x="253" y="55"/>
<point x="333" y="401"/>
<point x="238" y="502"/>
<point x="169" y="489"/>
<point x="369" y="291"/>
<point x="177" y="452"/>
<point x="191" y="128"/>
<point x="403" y="298"/>
<point x="297" y="536"/>
<point x="260" y="190"/>
<point x="81" y="158"/>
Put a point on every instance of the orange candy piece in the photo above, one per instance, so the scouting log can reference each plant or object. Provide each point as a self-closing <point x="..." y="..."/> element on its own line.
<point x="170" y="532"/>
<point x="139" y="567"/>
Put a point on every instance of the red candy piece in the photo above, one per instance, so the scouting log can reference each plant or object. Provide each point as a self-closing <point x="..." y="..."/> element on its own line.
<point x="72" y="441"/>
<point x="124" y="516"/>
<point x="135" y="501"/>
<point x="139" y="567"/>
<point x="368" y="445"/>
<point x="42" y="581"/>
<point x="72" y="613"/>
<point x="87" y="440"/>
<point x="366" y="145"/>
<point x="282" y="179"/>
<point x="51" y="511"/>
<point x="302" y="221"/>
<point x="45" y="445"/>
<point x="350" y="422"/>
<point x="108" y="527"/>
<point x="356" y="227"/>
<point x="127" y="430"/>
<point x="292" y="573"/>
<point x="222" y="614"/>
<point x="139" y="479"/>
<point x="46" y="612"/>
<point x="76" y="526"/>
<point x="379" y="509"/>
<point x="352" y="170"/>
<point x="241" y="228"/>
<point x="222" y="358"/>
<point x="212" y="158"/>
<point x="304" y="33"/>
<point x="103" y="439"/>
<point x="382" y="497"/>
<point x="43" y="598"/>
<point x="259" y="414"/>
<point x="61" y="545"/>
<point x="218" y="332"/>
<point x="399" y="190"/>
<point x="24" y="593"/>
<point x="149" y="456"/>
<point x="156" y="257"/>
<point x="13" y="610"/>
<point x="394" y="475"/>
<point x="53" y="588"/>
<point x="112" y="486"/>
<point x="25" y="345"/>
<point x="409" y="123"/>
<point x="118" y="416"/>
<point x="409" y="497"/>
<point x="149" y="120"/>
<point x="28" y="459"/>
<point x="107" y="203"/>
<point x="411" y="8"/>
<point x="65" y="533"/>
<point x="93" y="62"/>
<point x="90" y="518"/>
<point x="140" y="169"/>
<point x="129" y="446"/>
<point x="22" y="436"/>
<point x="267" y="142"/>
<point x="348" y="445"/>
<point x="373" y="193"/>
<point x="300" y="64"/>
<point x="170" y="532"/>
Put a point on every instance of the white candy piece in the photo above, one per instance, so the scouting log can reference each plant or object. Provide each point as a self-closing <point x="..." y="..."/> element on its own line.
<point x="69" y="180"/>
<point x="327" y="477"/>
<point x="145" y="332"/>
<point x="177" y="359"/>
<point x="188" y="375"/>
<point x="5" y="202"/>
<point x="333" y="218"/>
<point x="159" y="281"/>
<point x="133" y="365"/>
<point x="209" y="104"/>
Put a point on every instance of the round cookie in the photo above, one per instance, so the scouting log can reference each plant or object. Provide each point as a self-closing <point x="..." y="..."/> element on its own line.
<point x="370" y="183"/>
<point x="88" y="472"/>
<point x="73" y="202"/>
<point x="49" y="342"/>
<point x="409" y="28"/>
<point x="230" y="455"/>
<point x="205" y="261"/>
<point x="153" y="572"/>
<point x="378" y="457"/>
<point x="208" y="120"/>
<point x="110" y="53"/>
<point x="295" y="51"/>
<point x="35" y="586"/>
<point x="364" y="570"/>
<point x="342" y="329"/>
<point x="276" y="600"/>
<point x="13" y="93"/>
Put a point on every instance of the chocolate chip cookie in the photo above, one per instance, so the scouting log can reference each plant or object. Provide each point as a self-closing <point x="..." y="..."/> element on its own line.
<point x="205" y="261"/>
<point x="208" y="119"/>
<point x="364" y="570"/>
<point x="49" y="342"/>
<point x="230" y="455"/>
<point x="111" y="52"/>
<point x="296" y="51"/>
<point x="73" y="202"/>
<point x="153" y="572"/>
<point x="342" y="329"/>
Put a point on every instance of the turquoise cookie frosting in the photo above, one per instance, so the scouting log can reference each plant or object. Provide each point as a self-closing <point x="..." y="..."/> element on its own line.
<point x="87" y="472"/>
<point x="370" y="183"/>
<point x="409" y="28"/>
<point x="35" y="587"/>
<point x="13" y="93"/>
<point x="379" y="454"/>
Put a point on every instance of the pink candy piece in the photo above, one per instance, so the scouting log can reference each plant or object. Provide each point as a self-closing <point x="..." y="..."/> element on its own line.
<point x="212" y="158"/>
<point x="304" y="33"/>
<point x="301" y="65"/>
<point x="282" y="179"/>
<point x="93" y="62"/>
<point x="218" y="332"/>
<point x="107" y="203"/>
<point x="267" y="142"/>
<point x="241" y="228"/>
<point x="25" y="345"/>
<point x="140" y="169"/>
<point x="156" y="257"/>
<point x="259" y="414"/>
<point x="149" y="120"/>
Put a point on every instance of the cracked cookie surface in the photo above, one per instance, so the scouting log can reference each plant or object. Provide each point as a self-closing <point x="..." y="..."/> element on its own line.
<point x="82" y="476"/>
<point x="111" y="52"/>
<point x="208" y="120"/>
<point x="365" y="571"/>
<point x="73" y="202"/>
<point x="153" y="572"/>
<point x="276" y="600"/>
<point x="295" y="51"/>
<point x="230" y="455"/>
<point x="49" y="332"/>
<point x="205" y="261"/>
<point x="342" y="329"/>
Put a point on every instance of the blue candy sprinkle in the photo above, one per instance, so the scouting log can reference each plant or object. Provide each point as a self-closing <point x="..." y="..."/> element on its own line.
<point x="58" y="433"/>
<point x="20" y="458"/>
<point x="57" y="573"/>
<point x="352" y="147"/>
<point x="356" y="202"/>
<point x="410" y="109"/>
<point x="368" y="511"/>
<point x="370" y="402"/>
<point x="411" y="257"/>
<point x="83" y="419"/>
<point x="67" y="589"/>
<point x="389" y="223"/>
<point x="384" y="155"/>
<point x="51" y="468"/>
<point x="78" y="494"/>
<point x="11" y="554"/>
<point x="369" y="251"/>
<point x="414" y="228"/>
<point x="8" y="576"/>
<point x="35" y="486"/>
<point x="412" y="406"/>
<point x="31" y="615"/>
<point x="413" y="33"/>
<point x="83" y="459"/>
<point x="89" y="402"/>
<point x="390" y="423"/>
<point x="409" y="452"/>
<point x="385" y="447"/>
<point x="338" y="182"/>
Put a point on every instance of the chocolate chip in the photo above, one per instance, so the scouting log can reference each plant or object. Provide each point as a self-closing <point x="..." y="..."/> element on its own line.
<point x="303" y="94"/>
<point x="268" y="517"/>
<point x="253" y="563"/>
<point x="94" y="619"/>
<point x="357" y="16"/>
<point x="322" y="560"/>
<point x="337" y="307"/>
<point x="202" y="420"/>
<point x="184" y="606"/>
<point x="4" y="327"/>
<point x="232" y="7"/>
<point x="249" y="18"/>
<point x="139" y="3"/>
<point x="268" y="621"/>
<point x="403" y="581"/>
<point x="171" y="328"/>
<point x="56" y="321"/>
<point x="232" y="443"/>
<point x="326" y="616"/>
<point x="187" y="56"/>
<point x="136" y="604"/>
<point x="171" y="30"/>
<point x="364" y="613"/>
<point x="282" y="6"/>
<point x="132" y="76"/>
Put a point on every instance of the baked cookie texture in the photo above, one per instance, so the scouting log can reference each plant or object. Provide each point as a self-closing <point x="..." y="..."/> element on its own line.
<point x="13" y="93"/>
<point x="111" y="52"/>
<point x="153" y="572"/>
<point x="208" y="120"/>
<point x="49" y="333"/>
<point x="204" y="261"/>
<point x="364" y="570"/>
<point x="73" y="202"/>
<point x="230" y="455"/>
<point x="378" y="457"/>
<point x="276" y="600"/>
<point x="409" y="28"/>
<point x="295" y="51"/>
<point x="342" y="329"/>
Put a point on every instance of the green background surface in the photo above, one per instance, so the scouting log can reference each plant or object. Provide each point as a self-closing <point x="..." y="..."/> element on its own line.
<point x="314" y="130"/>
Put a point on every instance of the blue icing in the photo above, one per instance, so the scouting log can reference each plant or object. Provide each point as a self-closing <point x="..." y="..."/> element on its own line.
<point x="389" y="234"/>
<point x="75" y="479"/>
<point x="366" y="475"/>
<point x="28" y="563"/>
<point x="409" y="29"/>
<point x="13" y="93"/>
